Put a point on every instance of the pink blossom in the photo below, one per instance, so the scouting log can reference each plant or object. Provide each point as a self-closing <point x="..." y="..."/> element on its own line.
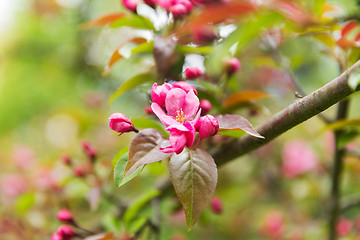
<point x="298" y="158"/>
<point x="13" y="185"/>
<point x="65" y="215"/>
<point x="207" y="126"/>
<point x="181" y="108"/>
<point x="205" y="106"/>
<point x="343" y="227"/>
<point x="273" y="225"/>
<point x="23" y="156"/>
<point x="192" y="72"/>
<point x="130" y="4"/>
<point x="89" y="150"/>
<point x="66" y="232"/>
<point x="178" y="10"/>
<point x="158" y="93"/>
<point x="65" y="159"/>
<point x="57" y="236"/>
<point x="120" y="123"/>
<point x="216" y="205"/>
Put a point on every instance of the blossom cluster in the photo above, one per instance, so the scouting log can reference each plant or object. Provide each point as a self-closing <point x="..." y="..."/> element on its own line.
<point x="178" y="8"/>
<point x="178" y="108"/>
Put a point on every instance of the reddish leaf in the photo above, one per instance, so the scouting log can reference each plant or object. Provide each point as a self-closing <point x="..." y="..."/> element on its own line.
<point x="236" y="122"/>
<point x="103" y="236"/>
<point x="244" y="96"/>
<point x="348" y="27"/>
<point x="103" y="20"/>
<point x="116" y="56"/>
<point x="345" y="43"/>
<point x="194" y="176"/>
<point x="145" y="148"/>
<point x="214" y="14"/>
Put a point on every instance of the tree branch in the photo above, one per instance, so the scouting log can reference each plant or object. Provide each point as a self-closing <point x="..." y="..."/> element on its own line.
<point x="296" y="113"/>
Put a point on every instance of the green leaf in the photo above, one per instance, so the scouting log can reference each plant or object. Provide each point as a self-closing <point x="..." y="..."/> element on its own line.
<point x="194" y="176"/>
<point x="346" y="137"/>
<point x="137" y="205"/>
<point x="132" y="83"/>
<point x="197" y="50"/>
<point x="134" y="21"/>
<point x="119" y="155"/>
<point x="242" y="36"/>
<point x="146" y="47"/>
<point x="236" y="122"/>
<point x="145" y="149"/>
<point x="137" y="224"/>
<point x="119" y="171"/>
<point x="354" y="80"/>
<point x="149" y="123"/>
<point x="24" y="202"/>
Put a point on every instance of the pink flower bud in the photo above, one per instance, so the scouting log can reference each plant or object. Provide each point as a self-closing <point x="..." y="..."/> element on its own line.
<point x="79" y="171"/>
<point x="130" y="4"/>
<point x="65" y="216"/>
<point x="120" y="123"/>
<point x="66" y="232"/>
<point x="56" y="236"/>
<point x="232" y="66"/>
<point x="192" y="72"/>
<point x="273" y="225"/>
<point x="205" y="106"/>
<point x="65" y="159"/>
<point x="178" y="10"/>
<point x="159" y="93"/>
<point x="204" y="35"/>
<point x="207" y="126"/>
<point x="187" y="4"/>
<point x="216" y="205"/>
<point x="89" y="150"/>
<point x="343" y="227"/>
<point x="185" y="86"/>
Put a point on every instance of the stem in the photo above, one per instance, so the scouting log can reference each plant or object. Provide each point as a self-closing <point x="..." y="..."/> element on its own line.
<point x="336" y="173"/>
<point x="298" y="112"/>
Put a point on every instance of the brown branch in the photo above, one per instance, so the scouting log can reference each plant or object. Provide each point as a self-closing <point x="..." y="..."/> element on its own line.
<point x="298" y="112"/>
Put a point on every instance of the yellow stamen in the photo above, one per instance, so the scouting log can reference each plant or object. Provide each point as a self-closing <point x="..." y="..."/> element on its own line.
<point x="180" y="116"/>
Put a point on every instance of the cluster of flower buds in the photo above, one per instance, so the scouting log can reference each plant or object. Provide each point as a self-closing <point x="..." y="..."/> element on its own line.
<point x="177" y="107"/>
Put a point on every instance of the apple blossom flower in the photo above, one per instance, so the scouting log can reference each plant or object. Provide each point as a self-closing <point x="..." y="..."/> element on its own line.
<point x="207" y="126"/>
<point x="181" y="108"/>
<point x="205" y="106"/>
<point x="130" y="4"/>
<point x="178" y="10"/>
<point x="192" y="73"/>
<point x="298" y="158"/>
<point x="65" y="216"/>
<point x="89" y="150"/>
<point x="56" y="236"/>
<point x="121" y="124"/>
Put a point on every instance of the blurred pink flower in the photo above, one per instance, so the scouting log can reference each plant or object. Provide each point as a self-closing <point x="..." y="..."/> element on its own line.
<point x="13" y="185"/>
<point x="298" y="158"/>
<point x="23" y="156"/>
<point x="130" y="4"/>
<point x="205" y="106"/>
<point x="273" y="225"/>
<point x="192" y="72"/>
<point x="343" y="227"/>
<point x="65" y="215"/>
<point x="232" y="65"/>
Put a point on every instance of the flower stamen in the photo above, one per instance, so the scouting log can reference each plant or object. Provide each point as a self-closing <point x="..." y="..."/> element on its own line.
<point x="180" y="117"/>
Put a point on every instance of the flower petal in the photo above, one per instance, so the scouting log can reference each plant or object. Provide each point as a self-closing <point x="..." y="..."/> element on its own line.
<point x="191" y="104"/>
<point x="177" y="141"/>
<point x="175" y="100"/>
<point x="164" y="118"/>
<point x="190" y="135"/>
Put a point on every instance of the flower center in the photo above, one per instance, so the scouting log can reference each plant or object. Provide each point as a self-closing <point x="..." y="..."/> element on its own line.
<point x="180" y="117"/>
